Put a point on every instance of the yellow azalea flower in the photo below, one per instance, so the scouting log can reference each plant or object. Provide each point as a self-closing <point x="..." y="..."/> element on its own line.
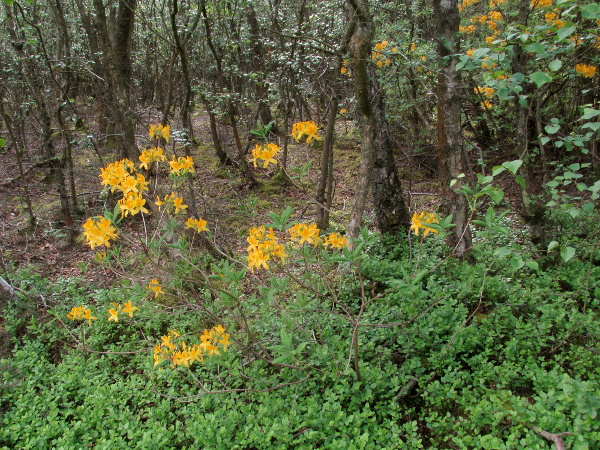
<point x="496" y="15"/>
<point x="257" y="259"/>
<point x="540" y="3"/>
<point x="469" y="29"/>
<point x="178" y="204"/>
<point x="308" y="129"/>
<point x="470" y="52"/>
<point x="132" y="203"/>
<point x="224" y="341"/>
<point x="335" y="240"/>
<point x="343" y="70"/>
<point x="99" y="256"/>
<point x="196" y="224"/>
<point x="343" y="111"/>
<point x="160" y="131"/>
<point x="114" y="173"/>
<point x="182" y="165"/>
<point x="266" y="152"/>
<point x="113" y="315"/>
<point x="81" y="313"/>
<point x="420" y="221"/>
<point x="129" y="308"/>
<point x="150" y="156"/>
<point x="155" y="287"/>
<point x="305" y="233"/>
<point x="99" y="231"/>
<point x="586" y="70"/>
<point x="159" y="202"/>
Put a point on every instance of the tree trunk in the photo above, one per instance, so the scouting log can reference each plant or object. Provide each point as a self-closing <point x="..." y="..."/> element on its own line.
<point x="377" y="167"/>
<point x="449" y="132"/>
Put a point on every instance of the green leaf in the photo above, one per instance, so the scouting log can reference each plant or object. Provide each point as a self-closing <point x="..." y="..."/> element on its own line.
<point x="588" y="113"/>
<point x="532" y="265"/>
<point x="536" y="48"/>
<point x="552" y="245"/>
<point x="555" y="65"/>
<point x="566" y="253"/>
<point x="503" y="251"/>
<point x="520" y="180"/>
<point x="540" y="78"/>
<point x="565" y="32"/>
<point x="591" y="11"/>
<point x="2" y="142"/>
<point x="551" y="129"/>
<point x="513" y="166"/>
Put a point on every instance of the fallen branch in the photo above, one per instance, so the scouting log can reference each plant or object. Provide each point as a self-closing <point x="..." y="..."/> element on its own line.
<point x="556" y="438"/>
<point x="29" y="169"/>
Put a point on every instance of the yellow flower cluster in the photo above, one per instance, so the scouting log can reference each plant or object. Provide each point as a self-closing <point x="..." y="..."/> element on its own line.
<point x="132" y="203"/>
<point x="308" y="129"/>
<point x="172" y="348"/>
<point x="266" y="152"/>
<point x="115" y="173"/>
<point x="199" y="225"/>
<point x="302" y="233"/>
<point x="335" y="240"/>
<point x="466" y="3"/>
<point x="485" y="91"/>
<point x="541" y="3"/>
<point x="150" y="156"/>
<point x="586" y="70"/>
<point x="160" y="132"/>
<point x="420" y="221"/>
<point x="344" y="70"/>
<point x="126" y="308"/>
<point x="172" y="201"/>
<point x="496" y="16"/>
<point x="379" y="56"/>
<point x="468" y="29"/>
<point x="81" y="313"/>
<point x="99" y="231"/>
<point x="263" y="246"/>
<point x="470" y="52"/>
<point x="182" y="166"/>
<point x="155" y="287"/>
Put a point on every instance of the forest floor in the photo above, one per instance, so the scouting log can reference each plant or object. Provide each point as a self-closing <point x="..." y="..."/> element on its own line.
<point x="230" y="209"/>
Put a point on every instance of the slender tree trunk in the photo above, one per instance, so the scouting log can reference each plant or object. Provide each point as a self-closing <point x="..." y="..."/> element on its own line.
<point x="377" y="167"/>
<point x="449" y="130"/>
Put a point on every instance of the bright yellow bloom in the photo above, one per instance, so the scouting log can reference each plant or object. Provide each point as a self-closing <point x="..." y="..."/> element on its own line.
<point x="178" y="204"/>
<point x="335" y="240"/>
<point x="496" y="15"/>
<point x="132" y="203"/>
<point x="129" y="308"/>
<point x="182" y="165"/>
<point x="305" y="233"/>
<point x="420" y="221"/>
<point x="155" y="287"/>
<point x="308" y="129"/>
<point x="114" y="173"/>
<point x="99" y="231"/>
<point x="160" y="131"/>
<point x="266" y="152"/>
<point x="485" y="91"/>
<point x="81" y="313"/>
<point x="470" y="52"/>
<point x="469" y="29"/>
<point x="113" y="315"/>
<point x="150" y="156"/>
<point x="586" y="70"/>
<point x="196" y="224"/>
<point x="343" y="111"/>
<point x="257" y="259"/>
<point x="540" y="3"/>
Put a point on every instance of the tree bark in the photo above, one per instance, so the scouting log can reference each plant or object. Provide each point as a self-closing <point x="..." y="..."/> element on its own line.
<point x="377" y="167"/>
<point x="449" y="131"/>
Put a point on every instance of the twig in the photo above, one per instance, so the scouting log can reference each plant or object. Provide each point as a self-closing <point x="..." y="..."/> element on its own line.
<point x="552" y="437"/>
